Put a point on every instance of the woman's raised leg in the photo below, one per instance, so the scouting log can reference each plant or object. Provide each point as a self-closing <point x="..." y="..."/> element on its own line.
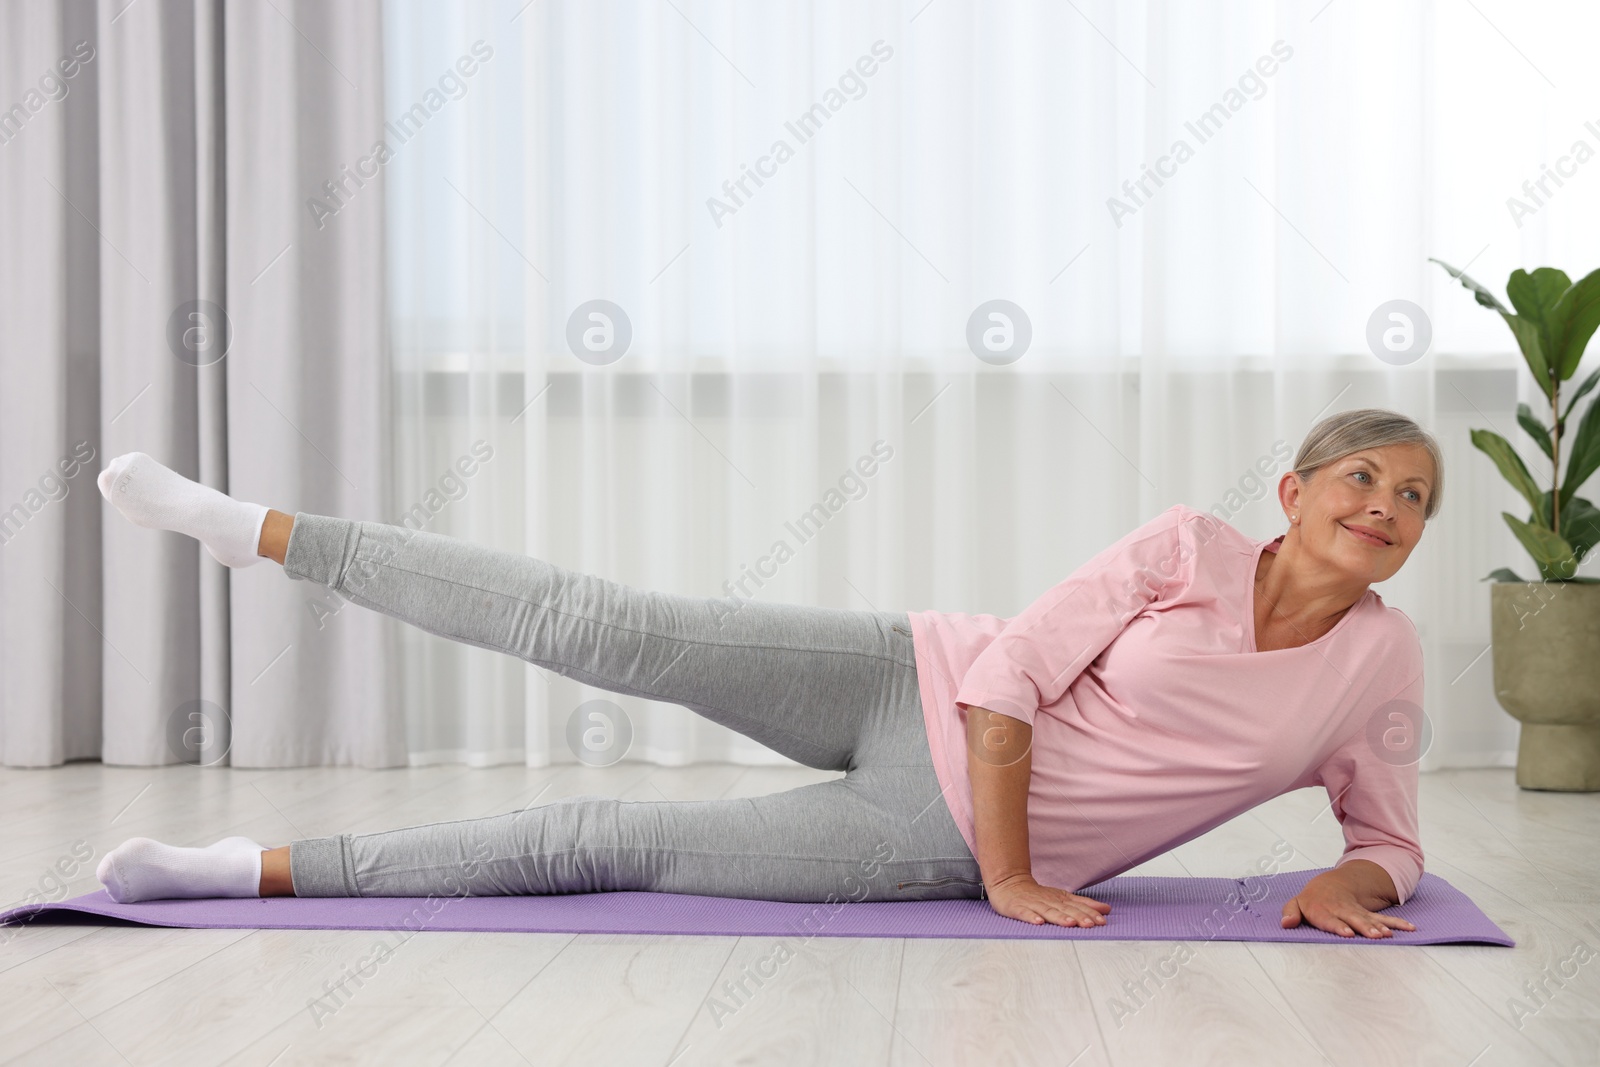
<point x="807" y="682"/>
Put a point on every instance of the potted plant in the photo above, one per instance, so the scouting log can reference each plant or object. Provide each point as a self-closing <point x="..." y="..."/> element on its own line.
<point x="1546" y="633"/>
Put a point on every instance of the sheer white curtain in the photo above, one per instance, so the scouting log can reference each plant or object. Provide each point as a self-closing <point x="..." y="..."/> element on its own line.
<point x="792" y="309"/>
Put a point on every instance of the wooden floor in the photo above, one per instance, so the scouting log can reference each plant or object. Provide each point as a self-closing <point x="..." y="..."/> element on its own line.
<point x="115" y="995"/>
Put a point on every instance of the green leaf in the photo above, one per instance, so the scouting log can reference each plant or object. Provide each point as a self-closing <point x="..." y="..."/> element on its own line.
<point x="1501" y="574"/>
<point x="1549" y="550"/>
<point x="1483" y="296"/>
<point x="1533" y="295"/>
<point x="1571" y="321"/>
<point x="1527" y="333"/>
<point x="1580" y="526"/>
<point x="1536" y="429"/>
<point x="1588" y="384"/>
<point x="1584" y="459"/>
<point x="1505" y="457"/>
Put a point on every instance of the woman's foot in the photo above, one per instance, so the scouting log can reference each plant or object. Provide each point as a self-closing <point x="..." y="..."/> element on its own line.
<point x="142" y="869"/>
<point x="154" y="496"/>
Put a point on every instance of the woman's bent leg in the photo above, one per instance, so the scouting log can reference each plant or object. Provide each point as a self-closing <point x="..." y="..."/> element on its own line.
<point x="861" y="837"/>
<point x="882" y="832"/>
<point x="806" y="682"/>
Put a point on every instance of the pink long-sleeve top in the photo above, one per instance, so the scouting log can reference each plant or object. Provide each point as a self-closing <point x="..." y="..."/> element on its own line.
<point x="1155" y="718"/>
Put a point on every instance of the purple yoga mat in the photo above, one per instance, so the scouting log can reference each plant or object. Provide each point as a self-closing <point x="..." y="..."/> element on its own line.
<point x="1142" y="909"/>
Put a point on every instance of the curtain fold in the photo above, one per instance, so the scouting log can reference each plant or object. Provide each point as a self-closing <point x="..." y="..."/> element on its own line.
<point x="157" y="167"/>
<point x="309" y="383"/>
<point x="50" y="602"/>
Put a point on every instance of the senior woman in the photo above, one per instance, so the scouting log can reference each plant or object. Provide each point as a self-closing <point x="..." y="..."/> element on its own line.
<point x="1177" y="679"/>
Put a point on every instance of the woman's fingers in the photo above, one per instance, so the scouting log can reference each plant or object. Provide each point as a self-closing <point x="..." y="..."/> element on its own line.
<point x="1375" y="924"/>
<point x="1073" y="901"/>
<point x="1063" y="917"/>
<point x="1353" y="923"/>
<point x="1072" y="912"/>
<point x="1093" y="911"/>
<point x="1045" y="912"/>
<point x="1348" y="921"/>
<point x="1036" y="904"/>
<point x="1330" y="905"/>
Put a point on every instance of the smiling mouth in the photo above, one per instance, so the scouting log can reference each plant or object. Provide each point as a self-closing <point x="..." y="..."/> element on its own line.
<point x="1358" y="535"/>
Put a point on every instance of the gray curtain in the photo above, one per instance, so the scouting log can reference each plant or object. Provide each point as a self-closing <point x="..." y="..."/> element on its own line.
<point x="165" y="288"/>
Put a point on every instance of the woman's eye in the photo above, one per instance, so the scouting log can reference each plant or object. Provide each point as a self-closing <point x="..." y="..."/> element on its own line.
<point x="1413" y="492"/>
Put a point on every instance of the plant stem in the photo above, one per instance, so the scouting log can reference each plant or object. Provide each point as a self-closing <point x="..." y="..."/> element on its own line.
<point x="1555" y="455"/>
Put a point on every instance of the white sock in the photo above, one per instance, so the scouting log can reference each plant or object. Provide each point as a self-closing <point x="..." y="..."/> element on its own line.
<point x="142" y="869"/>
<point x="157" y="497"/>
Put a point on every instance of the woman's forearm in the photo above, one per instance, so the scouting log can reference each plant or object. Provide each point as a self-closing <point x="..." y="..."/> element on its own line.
<point x="999" y="765"/>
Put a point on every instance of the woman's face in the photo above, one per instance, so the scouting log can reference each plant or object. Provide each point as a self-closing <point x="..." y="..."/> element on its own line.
<point x="1382" y="489"/>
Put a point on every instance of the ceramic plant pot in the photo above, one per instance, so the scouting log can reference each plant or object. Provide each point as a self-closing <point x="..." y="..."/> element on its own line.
<point x="1547" y="675"/>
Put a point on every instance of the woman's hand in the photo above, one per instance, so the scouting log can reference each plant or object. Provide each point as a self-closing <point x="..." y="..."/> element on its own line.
<point x="1020" y="897"/>
<point x="1330" y="903"/>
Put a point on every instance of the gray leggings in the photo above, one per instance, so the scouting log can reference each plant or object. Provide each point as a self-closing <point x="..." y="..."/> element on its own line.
<point x="828" y="687"/>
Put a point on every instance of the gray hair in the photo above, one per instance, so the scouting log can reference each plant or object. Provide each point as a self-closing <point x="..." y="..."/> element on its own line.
<point x="1340" y="434"/>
